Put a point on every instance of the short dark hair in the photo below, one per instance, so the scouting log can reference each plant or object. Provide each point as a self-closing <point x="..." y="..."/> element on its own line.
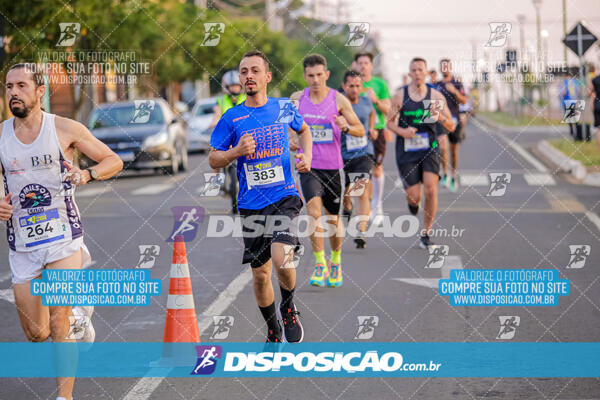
<point x="314" y="59"/>
<point x="417" y="59"/>
<point x="364" y="54"/>
<point x="36" y="73"/>
<point x="446" y="60"/>
<point x="432" y="71"/>
<point x="351" y="74"/>
<point x="256" y="53"/>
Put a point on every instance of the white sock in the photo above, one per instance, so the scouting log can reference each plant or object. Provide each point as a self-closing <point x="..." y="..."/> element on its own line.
<point x="379" y="182"/>
<point x="61" y="398"/>
<point x="375" y="198"/>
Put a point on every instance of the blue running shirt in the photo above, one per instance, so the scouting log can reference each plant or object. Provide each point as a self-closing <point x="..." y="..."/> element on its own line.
<point x="265" y="176"/>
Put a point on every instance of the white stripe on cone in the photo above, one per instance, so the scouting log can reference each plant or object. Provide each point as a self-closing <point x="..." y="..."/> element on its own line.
<point x="180" y="301"/>
<point x="180" y="271"/>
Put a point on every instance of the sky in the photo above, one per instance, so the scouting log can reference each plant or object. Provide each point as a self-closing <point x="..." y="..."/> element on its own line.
<point x="435" y="29"/>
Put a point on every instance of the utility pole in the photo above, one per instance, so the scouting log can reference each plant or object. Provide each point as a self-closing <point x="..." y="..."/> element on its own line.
<point x="564" y="12"/>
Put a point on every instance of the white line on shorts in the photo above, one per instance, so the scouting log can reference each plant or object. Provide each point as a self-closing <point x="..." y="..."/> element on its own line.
<point x="144" y="388"/>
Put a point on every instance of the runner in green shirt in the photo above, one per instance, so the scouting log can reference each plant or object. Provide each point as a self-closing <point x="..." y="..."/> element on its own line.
<point x="377" y="90"/>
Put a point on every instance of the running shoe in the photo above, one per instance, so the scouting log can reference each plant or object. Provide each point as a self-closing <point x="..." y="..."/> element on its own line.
<point x="361" y="243"/>
<point x="377" y="217"/>
<point x="453" y="185"/>
<point x="83" y="329"/>
<point x="319" y="276"/>
<point x="445" y="181"/>
<point x="425" y="241"/>
<point x="414" y="209"/>
<point x="335" y="276"/>
<point x="293" y="332"/>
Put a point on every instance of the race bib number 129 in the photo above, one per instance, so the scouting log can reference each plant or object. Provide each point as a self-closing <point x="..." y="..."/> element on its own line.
<point x="322" y="133"/>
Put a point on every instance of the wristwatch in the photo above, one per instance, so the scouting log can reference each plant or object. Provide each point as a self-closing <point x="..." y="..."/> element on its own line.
<point x="346" y="129"/>
<point x="93" y="174"/>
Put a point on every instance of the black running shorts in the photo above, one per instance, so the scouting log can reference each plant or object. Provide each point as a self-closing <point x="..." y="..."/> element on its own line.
<point x="257" y="249"/>
<point x="326" y="184"/>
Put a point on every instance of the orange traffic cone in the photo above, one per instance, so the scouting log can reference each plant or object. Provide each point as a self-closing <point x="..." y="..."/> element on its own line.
<point x="181" y="324"/>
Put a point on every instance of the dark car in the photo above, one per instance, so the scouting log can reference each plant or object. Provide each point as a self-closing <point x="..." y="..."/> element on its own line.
<point x="144" y="133"/>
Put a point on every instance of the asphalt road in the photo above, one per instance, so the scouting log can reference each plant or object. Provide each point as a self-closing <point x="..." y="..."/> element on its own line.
<point x="530" y="226"/>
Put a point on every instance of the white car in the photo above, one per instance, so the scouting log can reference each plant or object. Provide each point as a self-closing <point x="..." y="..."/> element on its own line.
<point x="199" y="120"/>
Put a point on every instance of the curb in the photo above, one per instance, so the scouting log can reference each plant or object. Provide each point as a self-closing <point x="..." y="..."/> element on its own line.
<point x="563" y="162"/>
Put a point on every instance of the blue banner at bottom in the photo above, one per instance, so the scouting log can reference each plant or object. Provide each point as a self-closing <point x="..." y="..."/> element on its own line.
<point x="300" y="360"/>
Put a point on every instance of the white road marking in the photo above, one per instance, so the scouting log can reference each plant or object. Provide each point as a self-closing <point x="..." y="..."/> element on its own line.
<point x="537" y="179"/>
<point x="523" y="153"/>
<point x="474" y="180"/>
<point x="5" y="275"/>
<point x="144" y="388"/>
<point x="153" y="189"/>
<point x="450" y="262"/>
<point x="594" y="218"/>
<point x="8" y="295"/>
<point x="93" y="191"/>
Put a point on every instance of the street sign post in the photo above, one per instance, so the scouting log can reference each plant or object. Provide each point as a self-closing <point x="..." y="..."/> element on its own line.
<point x="579" y="40"/>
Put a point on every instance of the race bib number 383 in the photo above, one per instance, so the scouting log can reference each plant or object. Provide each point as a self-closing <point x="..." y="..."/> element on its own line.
<point x="264" y="173"/>
<point x="44" y="227"/>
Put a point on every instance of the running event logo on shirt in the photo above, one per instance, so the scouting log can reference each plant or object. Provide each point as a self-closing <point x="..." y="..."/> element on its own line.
<point x="264" y="168"/>
<point x="186" y="221"/>
<point x="34" y="196"/>
<point x="207" y="359"/>
<point x="286" y="112"/>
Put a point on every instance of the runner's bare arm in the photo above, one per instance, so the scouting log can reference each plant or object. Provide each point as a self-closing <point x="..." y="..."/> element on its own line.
<point x="394" y="114"/>
<point x="216" y="116"/>
<point x="372" y="118"/>
<point x="295" y="98"/>
<point x="305" y="158"/>
<point x="446" y="118"/>
<point x="348" y="117"/>
<point x="222" y="158"/>
<point x="76" y="136"/>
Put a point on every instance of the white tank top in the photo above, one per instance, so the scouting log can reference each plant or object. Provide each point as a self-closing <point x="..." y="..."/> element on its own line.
<point x="44" y="209"/>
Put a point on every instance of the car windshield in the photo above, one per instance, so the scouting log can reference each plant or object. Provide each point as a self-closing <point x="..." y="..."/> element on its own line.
<point x="143" y="113"/>
<point x="204" y="109"/>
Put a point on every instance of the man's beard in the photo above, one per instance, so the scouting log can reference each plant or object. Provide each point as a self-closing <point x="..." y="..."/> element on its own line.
<point x="251" y="92"/>
<point x="21" y="112"/>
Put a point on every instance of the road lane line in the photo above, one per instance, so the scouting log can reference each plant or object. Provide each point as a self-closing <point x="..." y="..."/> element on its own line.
<point x="474" y="179"/>
<point x="93" y="191"/>
<point x="594" y="218"/>
<point x="153" y="189"/>
<point x="8" y="295"/>
<point x="535" y="179"/>
<point x="524" y="153"/>
<point x="450" y="262"/>
<point x="144" y="388"/>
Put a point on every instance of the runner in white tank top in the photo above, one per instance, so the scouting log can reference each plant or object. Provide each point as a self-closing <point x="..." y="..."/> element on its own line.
<point x="43" y="222"/>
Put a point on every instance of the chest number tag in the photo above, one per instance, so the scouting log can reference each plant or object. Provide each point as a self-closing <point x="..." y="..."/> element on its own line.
<point x="419" y="142"/>
<point x="264" y="173"/>
<point x="44" y="227"/>
<point x="322" y="133"/>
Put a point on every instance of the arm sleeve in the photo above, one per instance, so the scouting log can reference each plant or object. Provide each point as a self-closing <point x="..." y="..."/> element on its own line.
<point x="223" y="135"/>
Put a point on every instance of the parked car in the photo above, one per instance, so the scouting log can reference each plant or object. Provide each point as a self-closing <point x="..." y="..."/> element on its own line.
<point x="146" y="134"/>
<point x="199" y="120"/>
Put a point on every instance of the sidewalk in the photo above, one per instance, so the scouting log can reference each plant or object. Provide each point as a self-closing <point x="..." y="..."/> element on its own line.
<point x="548" y="153"/>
